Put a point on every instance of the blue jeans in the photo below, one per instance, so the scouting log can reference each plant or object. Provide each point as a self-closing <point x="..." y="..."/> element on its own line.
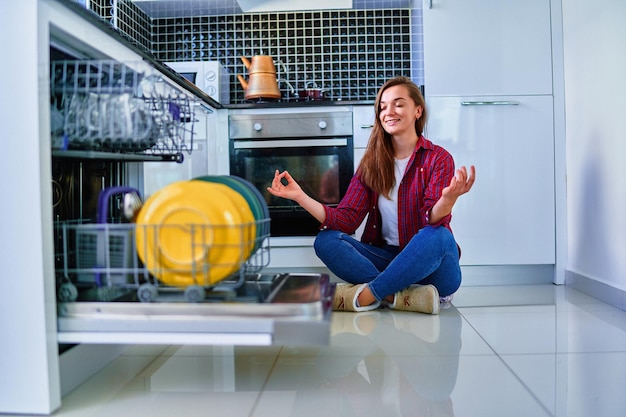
<point x="431" y="257"/>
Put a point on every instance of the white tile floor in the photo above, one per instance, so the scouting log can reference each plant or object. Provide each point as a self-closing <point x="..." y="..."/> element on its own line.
<point x="525" y="351"/>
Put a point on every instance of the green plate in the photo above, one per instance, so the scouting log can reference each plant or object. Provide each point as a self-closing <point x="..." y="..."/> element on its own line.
<point x="261" y="201"/>
<point x="254" y="199"/>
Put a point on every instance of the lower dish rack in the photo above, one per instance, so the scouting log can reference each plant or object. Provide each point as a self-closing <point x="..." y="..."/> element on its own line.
<point x="106" y="294"/>
<point x="103" y="261"/>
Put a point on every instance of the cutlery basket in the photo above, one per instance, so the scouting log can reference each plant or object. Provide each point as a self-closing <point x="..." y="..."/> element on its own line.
<point x="104" y="253"/>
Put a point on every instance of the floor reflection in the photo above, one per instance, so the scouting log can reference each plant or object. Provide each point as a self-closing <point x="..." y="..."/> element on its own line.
<point x="379" y="363"/>
<point x="498" y="351"/>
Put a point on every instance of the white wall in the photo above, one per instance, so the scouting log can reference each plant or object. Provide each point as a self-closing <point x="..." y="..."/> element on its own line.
<point x="595" y="94"/>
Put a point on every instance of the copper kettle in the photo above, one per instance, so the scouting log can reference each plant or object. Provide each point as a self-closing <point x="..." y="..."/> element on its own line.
<point x="262" y="82"/>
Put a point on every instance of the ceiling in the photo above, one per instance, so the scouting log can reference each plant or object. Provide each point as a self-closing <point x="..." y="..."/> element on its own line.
<point x="182" y="8"/>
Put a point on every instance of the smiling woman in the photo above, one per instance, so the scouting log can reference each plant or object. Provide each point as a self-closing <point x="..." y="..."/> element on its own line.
<point x="406" y="186"/>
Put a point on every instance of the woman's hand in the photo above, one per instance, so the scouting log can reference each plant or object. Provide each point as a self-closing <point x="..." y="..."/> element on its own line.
<point x="460" y="183"/>
<point x="291" y="191"/>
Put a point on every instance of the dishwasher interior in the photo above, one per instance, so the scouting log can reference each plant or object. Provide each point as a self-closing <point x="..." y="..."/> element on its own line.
<point x="165" y="276"/>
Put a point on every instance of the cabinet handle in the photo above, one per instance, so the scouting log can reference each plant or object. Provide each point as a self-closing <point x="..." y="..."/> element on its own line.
<point x="430" y="4"/>
<point x="367" y="126"/>
<point x="490" y="103"/>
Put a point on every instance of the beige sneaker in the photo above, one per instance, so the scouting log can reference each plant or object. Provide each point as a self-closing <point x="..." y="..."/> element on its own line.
<point x="346" y="298"/>
<point x="418" y="298"/>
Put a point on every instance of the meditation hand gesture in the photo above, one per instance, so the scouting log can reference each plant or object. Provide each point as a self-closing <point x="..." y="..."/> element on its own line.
<point x="291" y="191"/>
<point x="460" y="183"/>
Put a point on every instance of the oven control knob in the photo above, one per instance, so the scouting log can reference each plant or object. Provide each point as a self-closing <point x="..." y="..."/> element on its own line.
<point x="257" y="126"/>
<point x="322" y="124"/>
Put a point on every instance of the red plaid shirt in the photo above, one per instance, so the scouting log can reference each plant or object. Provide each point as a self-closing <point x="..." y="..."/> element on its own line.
<point x="428" y="172"/>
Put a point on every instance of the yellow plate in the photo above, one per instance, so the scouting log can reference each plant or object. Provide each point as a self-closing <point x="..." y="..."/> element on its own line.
<point x="247" y="227"/>
<point x="233" y="251"/>
<point x="191" y="232"/>
<point x="253" y="197"/>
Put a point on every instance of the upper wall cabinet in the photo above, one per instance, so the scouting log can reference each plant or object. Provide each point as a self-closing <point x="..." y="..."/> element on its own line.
<point x="487" y="47"/>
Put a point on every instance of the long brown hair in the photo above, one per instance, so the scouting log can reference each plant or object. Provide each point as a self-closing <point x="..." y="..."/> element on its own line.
<point x="376" y="168"/>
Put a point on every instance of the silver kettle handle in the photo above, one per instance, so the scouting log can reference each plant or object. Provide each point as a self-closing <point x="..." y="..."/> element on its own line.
<point x="291" y="89"/>
<point x="282" y="65"/>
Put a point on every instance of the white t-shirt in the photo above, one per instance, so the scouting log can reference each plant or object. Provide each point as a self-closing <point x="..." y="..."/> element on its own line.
<point x="389" y="208"/>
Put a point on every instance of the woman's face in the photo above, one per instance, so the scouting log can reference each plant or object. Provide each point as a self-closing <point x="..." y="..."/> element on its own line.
<point x="398" y="111"/>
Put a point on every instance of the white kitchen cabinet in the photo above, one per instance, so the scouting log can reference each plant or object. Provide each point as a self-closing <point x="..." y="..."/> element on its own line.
<point x="487" y="47"/>
<point x="362" y="123"/>
<point x="508" y="218"/>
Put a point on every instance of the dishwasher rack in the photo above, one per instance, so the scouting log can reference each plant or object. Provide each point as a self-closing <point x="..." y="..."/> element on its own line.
<point x="106" y="295"/>
<point x="108" y="106"/>
<point x="100" y="262"/>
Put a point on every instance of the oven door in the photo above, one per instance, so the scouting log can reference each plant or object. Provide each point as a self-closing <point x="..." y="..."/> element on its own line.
<point x="322" y="166"/>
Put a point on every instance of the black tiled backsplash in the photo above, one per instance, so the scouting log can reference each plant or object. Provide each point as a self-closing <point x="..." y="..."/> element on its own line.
<point x="349" y="53"/>
<point x="134" y="22"/>
<point x="129" y="19"/>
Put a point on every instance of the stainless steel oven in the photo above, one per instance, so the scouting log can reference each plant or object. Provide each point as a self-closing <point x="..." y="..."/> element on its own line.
<point x="316" y="148"/>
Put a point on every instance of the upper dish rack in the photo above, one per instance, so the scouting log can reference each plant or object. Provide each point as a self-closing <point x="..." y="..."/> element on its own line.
<point x="108" y="106"/>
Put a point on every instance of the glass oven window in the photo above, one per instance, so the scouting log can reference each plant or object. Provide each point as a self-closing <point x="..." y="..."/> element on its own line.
<point x="318" y="175"/>
<point x="323" y="172"/>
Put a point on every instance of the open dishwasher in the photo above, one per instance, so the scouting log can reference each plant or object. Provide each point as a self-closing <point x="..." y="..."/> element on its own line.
<point x="120" y="278"/>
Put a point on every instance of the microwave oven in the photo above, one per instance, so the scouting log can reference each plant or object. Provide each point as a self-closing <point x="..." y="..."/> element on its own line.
<point x="209" y="76"/>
